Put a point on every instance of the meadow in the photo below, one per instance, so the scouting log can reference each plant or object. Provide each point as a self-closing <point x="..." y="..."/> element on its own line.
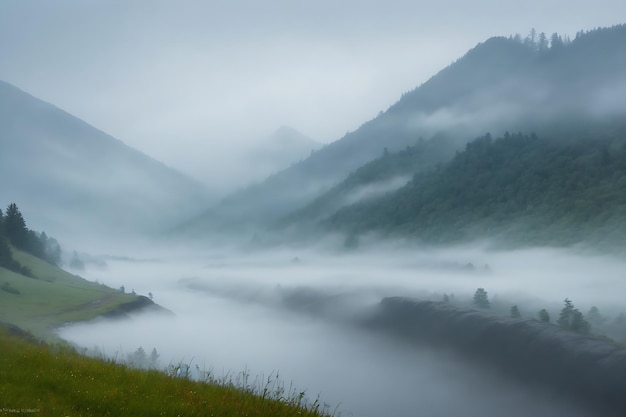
<point x="52" y="297"/>
<point x="37" y="379"/>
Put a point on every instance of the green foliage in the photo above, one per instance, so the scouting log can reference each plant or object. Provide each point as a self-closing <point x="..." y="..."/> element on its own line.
<point x="13" y="231"/>
<point x="424" y="155"/>
<point x="6" y="256"/>
<point x="15" y="227"/>
<point x="518" y="187"/>
<point x="481" y="299"/>
<point x="57" y="381"/>
<point x="544" y="316"/>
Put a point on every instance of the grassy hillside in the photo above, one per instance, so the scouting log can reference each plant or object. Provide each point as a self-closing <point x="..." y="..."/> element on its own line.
<point x="52" y="297"/>
<point x="36" y="379"/>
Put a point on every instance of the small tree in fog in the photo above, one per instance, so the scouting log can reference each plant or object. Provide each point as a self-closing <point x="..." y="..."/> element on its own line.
<point x="154" y="359"/>
<point x="515" y="312"/>
<point x="138" y="359"/>
<point x="594" y="316"/>
<point x="544" y="316"/>
<point x="481" y="300"/>
<point x="76" y="262"/>
<point x="572" y="319"/>
<point x="566" y="314"/>
<point x="579" y="324"/>
<point x="448" y="298"/>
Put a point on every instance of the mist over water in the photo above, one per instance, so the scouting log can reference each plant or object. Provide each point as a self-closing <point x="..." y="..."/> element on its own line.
<point x="289" y="312"/>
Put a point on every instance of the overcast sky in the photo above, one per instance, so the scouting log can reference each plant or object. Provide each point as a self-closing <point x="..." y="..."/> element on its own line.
<point x="184" y="81"/>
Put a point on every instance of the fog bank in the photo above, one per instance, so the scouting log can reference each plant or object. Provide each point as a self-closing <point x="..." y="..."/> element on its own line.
<point x="289" y="311"/>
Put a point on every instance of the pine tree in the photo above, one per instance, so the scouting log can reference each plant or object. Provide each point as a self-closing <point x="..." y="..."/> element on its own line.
<point x="515" y="312"/>
<point x="572" y="319"/>
<point x="480" y="298"/>
<point x="154" y="358"/>
<point x="15" y="227"/>
<point x="594" y="316"/>
<point x="542" y="44"/>
<point x="544" y="316"/>
<point x="578" y="323"/>
<point x="76" y="262"/>
<point x="566" y="314"/>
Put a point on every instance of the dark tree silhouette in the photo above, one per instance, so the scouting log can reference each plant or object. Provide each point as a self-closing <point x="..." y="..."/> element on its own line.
<point x="480" y="298"/>
<point x="572" y="319"/>
<point x="544" y="316"/>
<point x="15" y="227"/>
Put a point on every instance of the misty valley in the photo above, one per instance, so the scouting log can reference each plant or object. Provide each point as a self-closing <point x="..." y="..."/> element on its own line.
<point x="459" y="254"/>
<point x="266" y="313"/>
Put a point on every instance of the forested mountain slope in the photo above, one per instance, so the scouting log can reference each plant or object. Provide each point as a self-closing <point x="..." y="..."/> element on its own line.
<point x="520" y="188"/>
<point x="392" y="170"/>
<point x="544" y="85"/>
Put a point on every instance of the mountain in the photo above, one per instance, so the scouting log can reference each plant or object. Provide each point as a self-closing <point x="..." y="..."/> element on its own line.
<point x="374" y="180"/>
<point x="71" y="178"/>
<point x="501" y="84"/>
<point x="276" y="152"/>
<point x="520" y="189"/>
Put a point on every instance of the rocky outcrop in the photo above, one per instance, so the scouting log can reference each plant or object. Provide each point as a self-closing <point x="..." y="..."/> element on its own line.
<point x="590" y="369"/>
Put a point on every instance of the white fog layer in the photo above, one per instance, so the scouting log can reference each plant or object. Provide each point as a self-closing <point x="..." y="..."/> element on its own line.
<point x="233" y="313"/>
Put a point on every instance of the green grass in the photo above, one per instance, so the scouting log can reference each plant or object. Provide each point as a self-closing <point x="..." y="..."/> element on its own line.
<point x="52" y="298"/>
<point x="37" y="379"/>
<point x="42" y="379"/>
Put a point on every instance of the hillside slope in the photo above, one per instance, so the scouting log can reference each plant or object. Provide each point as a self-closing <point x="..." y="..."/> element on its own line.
<point x="520" y="188"/>
<point x="72" y="178"/>
<point x="501" y="84"/>
<point x="52" y="297"/>
<point x="52" y="381"/>
<point x="374" y="180"/>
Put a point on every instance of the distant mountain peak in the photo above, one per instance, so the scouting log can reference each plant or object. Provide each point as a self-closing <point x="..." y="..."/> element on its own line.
<point x="282" y="148"/>
<point x="289" y="136"/>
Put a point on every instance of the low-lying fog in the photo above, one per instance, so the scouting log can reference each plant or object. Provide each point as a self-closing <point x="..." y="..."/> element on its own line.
<point x="288" y="311"/>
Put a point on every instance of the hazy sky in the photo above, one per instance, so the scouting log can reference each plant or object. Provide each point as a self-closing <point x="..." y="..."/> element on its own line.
<point x="184" y="81"/>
